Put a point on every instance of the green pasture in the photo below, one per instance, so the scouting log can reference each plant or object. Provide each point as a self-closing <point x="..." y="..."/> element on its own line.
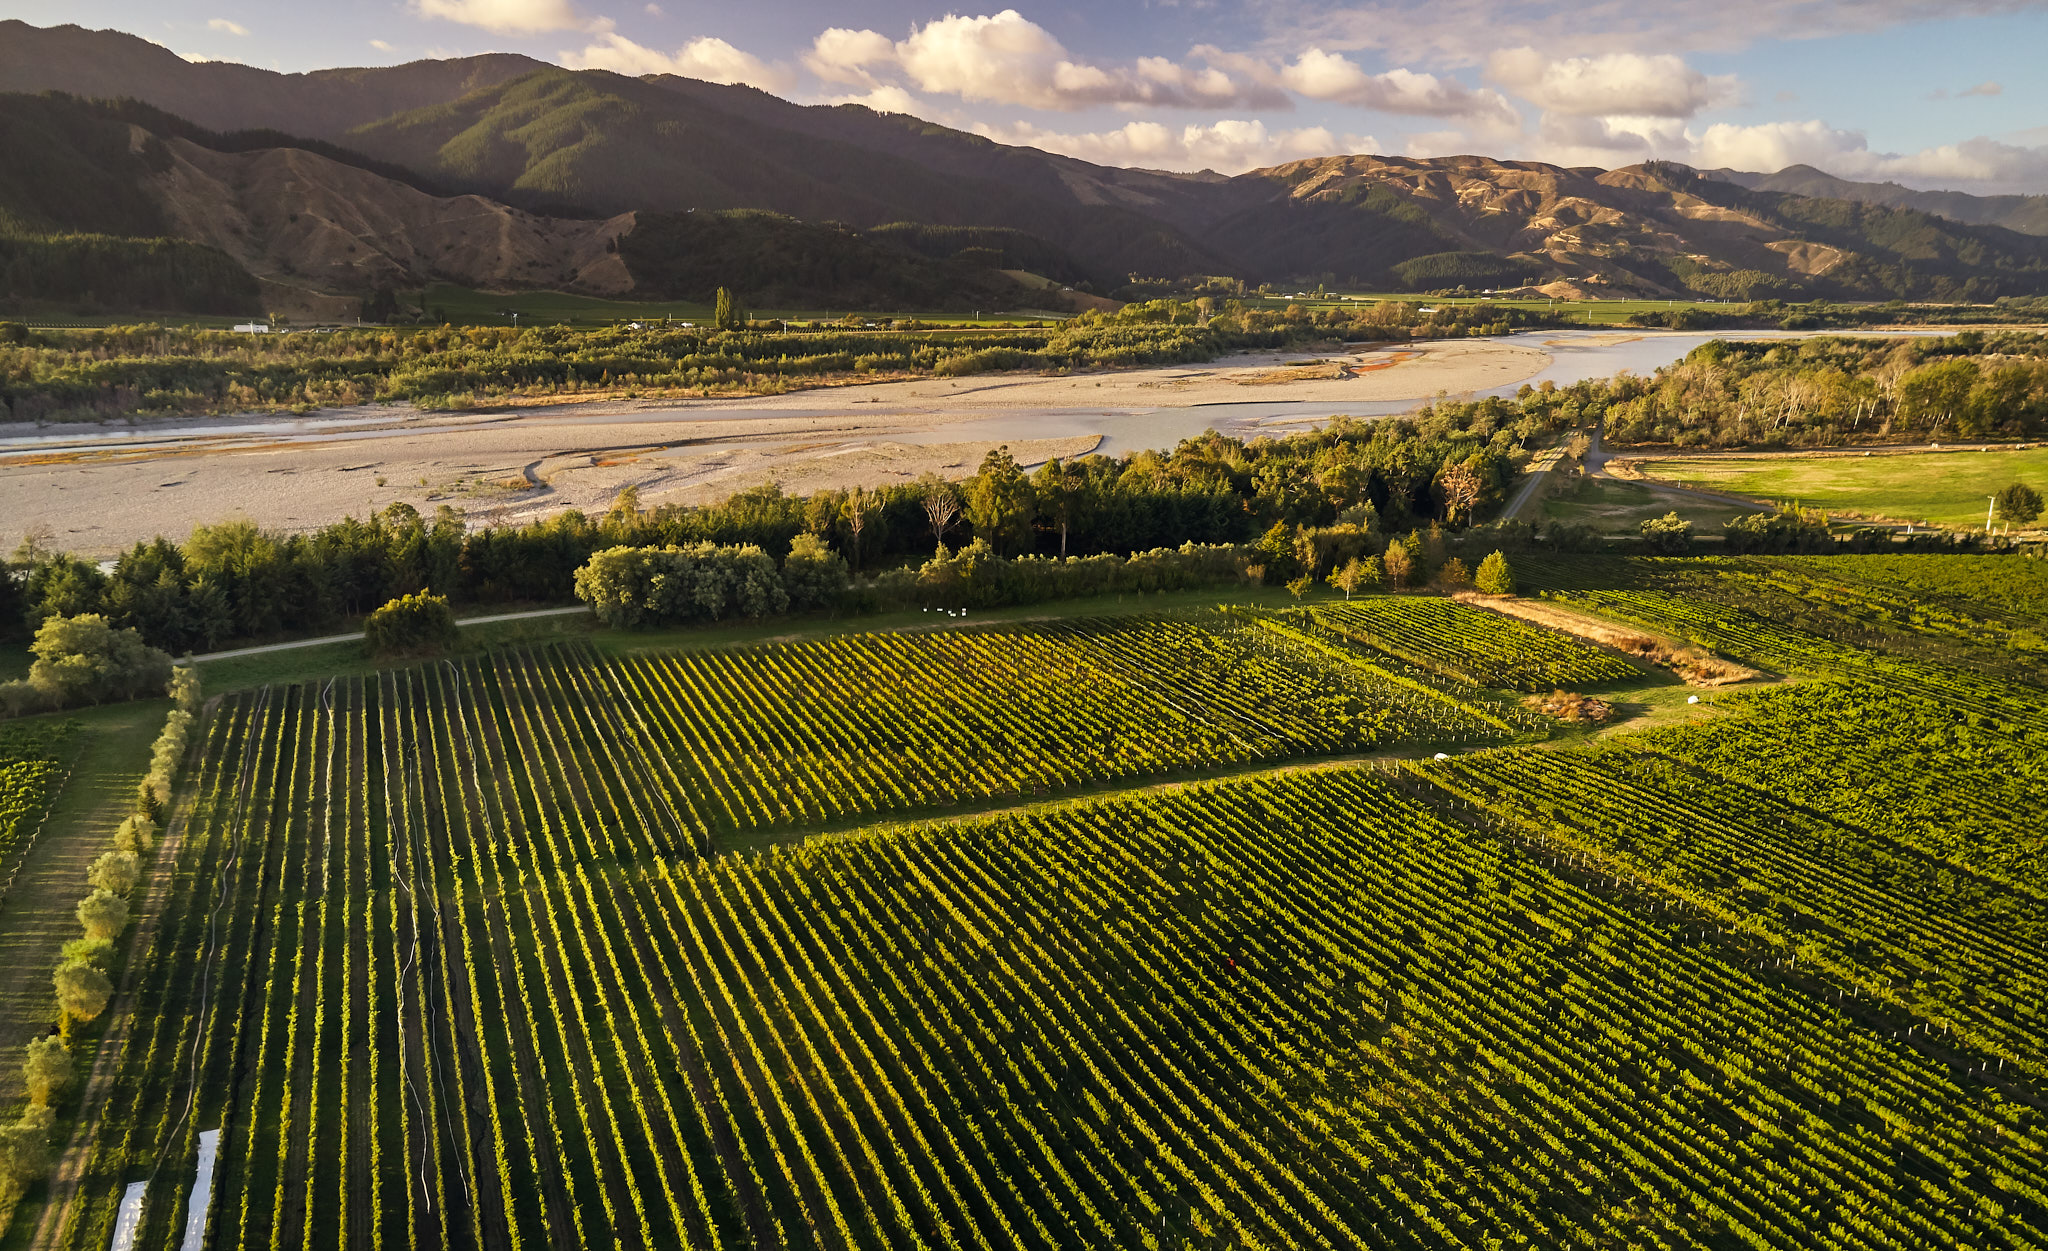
<point x="1948" y="488"/>
<point x="1618" y="506"/>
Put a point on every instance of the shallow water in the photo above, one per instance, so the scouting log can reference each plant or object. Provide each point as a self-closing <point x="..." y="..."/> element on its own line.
<point x="1575" y="355"/>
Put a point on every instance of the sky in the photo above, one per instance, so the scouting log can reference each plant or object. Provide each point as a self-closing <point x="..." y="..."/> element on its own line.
<point x="1928" y="93"/>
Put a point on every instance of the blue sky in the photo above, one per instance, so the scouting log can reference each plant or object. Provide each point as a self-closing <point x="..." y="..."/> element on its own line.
<point x="1931" y="93"/>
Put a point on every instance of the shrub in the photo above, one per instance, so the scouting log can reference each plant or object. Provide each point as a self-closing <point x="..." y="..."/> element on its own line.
<point x="1571" y="706"/>
<point x="115" y="871"/>
<point x="97" y="952"/>
<point x="25" y="1147"/>
<point x="84" y="660"/>
<point x="2018" y="504"/>
<point x="649" y="586"/>
<point x="411" y="625"/>
<point x="1454" y="575"/>
<point x="137" y="834"/>
<point x="813" y="574"/>
<point x="1669" y="535"/>
<point x="1494" y="576"/>
<point x="82" y="991"/>
<point x="1779" y="532"/>
<point x="47" y="1070"/>
<point x="103" y="914"/>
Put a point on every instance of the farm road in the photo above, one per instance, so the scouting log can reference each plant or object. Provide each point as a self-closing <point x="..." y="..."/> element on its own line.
<point x="350" y="638"/>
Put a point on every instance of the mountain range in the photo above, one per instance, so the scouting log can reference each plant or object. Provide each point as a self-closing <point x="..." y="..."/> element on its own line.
<point x="505" y="172"/>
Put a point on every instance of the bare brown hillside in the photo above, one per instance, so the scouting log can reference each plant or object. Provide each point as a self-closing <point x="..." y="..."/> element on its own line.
<point x="300" y="221"/>
<point x="1619" y="230"/>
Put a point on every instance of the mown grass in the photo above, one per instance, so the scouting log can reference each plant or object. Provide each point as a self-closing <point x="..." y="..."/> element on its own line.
<point x="1619" y="505"/>
<point x="1938" y="487"/>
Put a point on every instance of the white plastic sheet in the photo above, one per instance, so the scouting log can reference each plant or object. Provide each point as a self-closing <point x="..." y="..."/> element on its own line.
<point x="202" y="1191"/>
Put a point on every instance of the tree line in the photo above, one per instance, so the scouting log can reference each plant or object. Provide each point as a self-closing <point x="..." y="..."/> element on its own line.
<point x="234" y="580"/>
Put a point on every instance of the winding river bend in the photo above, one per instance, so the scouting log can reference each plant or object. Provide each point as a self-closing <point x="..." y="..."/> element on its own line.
<point x="104" y="486"/>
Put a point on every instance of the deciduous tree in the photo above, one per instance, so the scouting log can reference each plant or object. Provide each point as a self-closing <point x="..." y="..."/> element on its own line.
<point x="2018" y="504"/>
<point x="1494" y="576"/>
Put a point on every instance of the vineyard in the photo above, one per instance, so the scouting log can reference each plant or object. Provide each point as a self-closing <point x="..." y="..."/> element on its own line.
<point x="31" y="768"/>
<point x="686" y="948"/>
<point x="1473" y="646"/>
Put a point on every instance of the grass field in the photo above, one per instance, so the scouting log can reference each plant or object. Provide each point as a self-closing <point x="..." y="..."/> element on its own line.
<point x="1942" y="488"/>
<point x="823" y="938"/>
<point x="1616" y="505"/>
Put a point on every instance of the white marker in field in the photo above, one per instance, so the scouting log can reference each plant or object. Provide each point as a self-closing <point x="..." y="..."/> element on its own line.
<point x="202" y="1191"/>
<point x="128" y="1220"/>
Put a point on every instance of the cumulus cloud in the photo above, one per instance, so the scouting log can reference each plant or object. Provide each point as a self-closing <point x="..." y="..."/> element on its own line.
<point x="1566" y="139"/>
<point x="886" y="98"/>
<point x="1981" y="163"/>
<point x="227" y="27"/>
<point x="508" y="17"/>
<point x="1005" y="58"/>
<point x="1778" y="144"/>
<point x="712" y="60"/>
<point x="1620" y="84"/>
<point x="1460" y="32"/>
<point x="1321" y="75"/>
<point x="1229" y="146"/>
<point x="839" y="55"/>
<point x="1985" y="89"/>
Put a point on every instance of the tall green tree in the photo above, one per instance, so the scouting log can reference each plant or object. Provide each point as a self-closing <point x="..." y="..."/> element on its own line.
<point x="1062" y="494"/>
<point x="1000" y="503"/>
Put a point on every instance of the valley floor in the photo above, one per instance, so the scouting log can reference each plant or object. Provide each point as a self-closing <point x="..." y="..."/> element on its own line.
<point x="105" y="487"/>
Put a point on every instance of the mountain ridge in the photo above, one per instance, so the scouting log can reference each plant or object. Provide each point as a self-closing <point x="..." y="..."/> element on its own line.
<point x="548" y="146"/>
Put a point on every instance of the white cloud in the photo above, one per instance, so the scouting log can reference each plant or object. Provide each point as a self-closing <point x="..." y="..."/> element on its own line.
<point x="652" y="10"/>
<point x="1981" y="164"/>
<point x="1566" y="139"/>
<point x="1229" y="146"/>
<point x="1322" y="75"/>
<point x="839" y="55"/>
<point x="509" y="17"/>
<point x="709" y="59"/>
<point x="886" y="98"/>
<point x="1006" y="58"/>
<point x="1623" y="84"/>
<point x="1461" y="32"/>
<point x="227" y="27"/>
<point x="1984" y="89"/>
<point x="381" y="46"/>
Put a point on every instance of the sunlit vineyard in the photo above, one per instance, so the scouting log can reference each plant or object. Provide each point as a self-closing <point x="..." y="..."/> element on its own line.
<point x="1471" y="645"/>
<point x="694" y="949"/>
<point x="30" y="770"/>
